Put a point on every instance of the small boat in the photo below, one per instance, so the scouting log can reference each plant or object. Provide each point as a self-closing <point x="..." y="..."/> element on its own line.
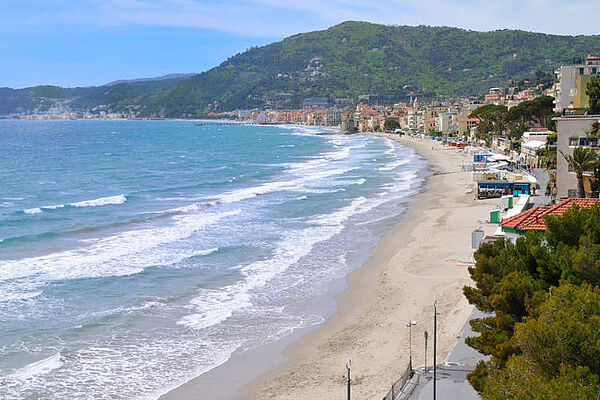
<point x="197" y="124"/>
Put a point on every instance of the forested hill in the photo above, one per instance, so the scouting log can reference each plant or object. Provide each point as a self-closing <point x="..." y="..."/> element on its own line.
<point x="345" y="61"/>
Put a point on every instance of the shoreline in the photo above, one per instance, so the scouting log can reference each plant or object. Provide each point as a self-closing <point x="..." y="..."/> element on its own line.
<point x="367" y="321"/>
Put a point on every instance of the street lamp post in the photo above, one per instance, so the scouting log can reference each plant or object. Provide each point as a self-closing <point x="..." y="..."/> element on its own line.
<point x="348" y="365"/>
<point x="434" y="347"/>
<point x="426" y="335"/>
<point x="410" y="324"/>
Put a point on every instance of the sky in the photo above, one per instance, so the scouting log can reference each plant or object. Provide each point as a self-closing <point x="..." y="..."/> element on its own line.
<point x="92" y="42"/>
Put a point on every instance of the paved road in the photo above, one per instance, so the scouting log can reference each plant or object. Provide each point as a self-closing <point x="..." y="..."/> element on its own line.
<point x="540" y="198"/>
<point x="452" y="381"/>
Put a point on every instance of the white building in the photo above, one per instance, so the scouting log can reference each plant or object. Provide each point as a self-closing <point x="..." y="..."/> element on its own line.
<point x="413" y="120"/>
<point x="529" y="152"/>
<point x="541" y="136"/>
<point x="447" y="123"/>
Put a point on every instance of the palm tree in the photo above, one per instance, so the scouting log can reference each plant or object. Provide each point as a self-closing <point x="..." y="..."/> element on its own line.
<point x="584" y="159"/>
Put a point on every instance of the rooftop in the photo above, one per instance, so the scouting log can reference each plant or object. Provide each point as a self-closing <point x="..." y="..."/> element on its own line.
<point x="533" y="219"/>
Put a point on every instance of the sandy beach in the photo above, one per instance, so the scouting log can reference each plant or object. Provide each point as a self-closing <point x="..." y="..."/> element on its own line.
<point x="413" y="265"/>
<point x="417" y="262"/>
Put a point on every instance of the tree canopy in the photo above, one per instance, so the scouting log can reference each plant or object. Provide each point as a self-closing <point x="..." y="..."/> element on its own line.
<point x="593" y="91"/>
<point x="543" y="301"/>
<point x="493" y="119"/>
<point x="391" y="124"/>
<point x="499" y="120"/>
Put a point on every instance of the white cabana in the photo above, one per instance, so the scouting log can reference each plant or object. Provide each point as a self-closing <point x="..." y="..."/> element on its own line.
<point x="499" y="157"/>
<point x="534" y="145"/>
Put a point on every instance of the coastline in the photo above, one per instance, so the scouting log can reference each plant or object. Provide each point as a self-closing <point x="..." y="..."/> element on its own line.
<point x="411" y="266"/>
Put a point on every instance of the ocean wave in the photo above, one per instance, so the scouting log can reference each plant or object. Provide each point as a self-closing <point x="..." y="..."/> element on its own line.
<point x="37" y="368"/>
<point x="391" y="147"/>
<point x="269" y="187"/>
<point x="217" y="305"/>
<point x="320" y="161"/>
<point x="206" y="252"/>
<point x="360" y="181"/>
<point x="323" y="191"/>
<point x="125" y="253"/>
<point x="101" y="201"/>
<point x="392" y="166"/>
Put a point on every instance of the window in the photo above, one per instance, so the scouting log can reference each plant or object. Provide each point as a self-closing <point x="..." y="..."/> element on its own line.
<point x="594" y="71"/>
<point x="583" y="141"/>
<point x="570" y="167"/>
<point x="580" y="71"/>
<point x="573" y="141"/>
<point x="572" y="193"/>
<point x="593" y="142"/>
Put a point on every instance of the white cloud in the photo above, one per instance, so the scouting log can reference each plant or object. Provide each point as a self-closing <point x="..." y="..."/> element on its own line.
<point x="279" y="18"/>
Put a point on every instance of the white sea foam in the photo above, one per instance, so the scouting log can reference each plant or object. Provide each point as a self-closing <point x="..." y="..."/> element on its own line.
<point x="102" y="201"/>
<point x="121" y="254"/>
<point x="217" y="305"/>
<point x="206" y="252"/>
<point x="394" y="165"/>
<point x="305" y="130"/>
<point x="391" y="147"/>
<point x="21" y="296"/>
<point x="37" y="368"/>
<point x="323" y="191"/>
<point x="293" y="184"/>
<point x="55" y="207"/>
<point x="360" y="181"/>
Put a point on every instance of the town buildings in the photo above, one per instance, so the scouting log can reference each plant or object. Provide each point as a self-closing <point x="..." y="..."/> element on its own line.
<point x="572" y="81"/>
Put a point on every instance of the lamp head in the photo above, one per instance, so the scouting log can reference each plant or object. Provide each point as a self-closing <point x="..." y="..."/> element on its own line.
<point x="348" y="364"/>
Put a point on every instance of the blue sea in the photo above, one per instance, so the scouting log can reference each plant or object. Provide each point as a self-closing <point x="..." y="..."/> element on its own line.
<point x="136" y="255"/>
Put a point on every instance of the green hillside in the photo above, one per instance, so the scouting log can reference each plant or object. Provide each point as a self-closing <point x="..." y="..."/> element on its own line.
<point x="345" y="61"/>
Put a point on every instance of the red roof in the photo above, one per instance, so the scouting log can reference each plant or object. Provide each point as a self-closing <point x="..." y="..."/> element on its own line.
<point x="469" y="119"/>
<point x="533" y="219"/>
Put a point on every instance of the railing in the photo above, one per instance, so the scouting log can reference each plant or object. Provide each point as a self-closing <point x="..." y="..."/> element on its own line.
<point x="396" y="389"/>
<point x="569" y="112"/>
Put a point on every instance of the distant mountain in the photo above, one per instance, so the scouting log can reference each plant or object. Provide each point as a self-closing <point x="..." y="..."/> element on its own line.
<point x="158" y="78"/>
<point x="350" y="60"/>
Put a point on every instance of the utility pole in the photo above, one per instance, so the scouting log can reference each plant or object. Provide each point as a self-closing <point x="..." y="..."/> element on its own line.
<point x="434" y="347"/>
<point x="348" y="365"/>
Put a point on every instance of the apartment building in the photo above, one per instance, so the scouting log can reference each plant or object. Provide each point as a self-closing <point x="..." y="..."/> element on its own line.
<point x="572" y="133"/>
<point x="572" y="81"/>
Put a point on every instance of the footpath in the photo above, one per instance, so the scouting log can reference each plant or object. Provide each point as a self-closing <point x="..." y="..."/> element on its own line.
<point x="452" y="374"/>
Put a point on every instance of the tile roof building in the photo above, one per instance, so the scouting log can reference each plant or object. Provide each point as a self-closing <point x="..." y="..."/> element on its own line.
<point x="533" y="219"/>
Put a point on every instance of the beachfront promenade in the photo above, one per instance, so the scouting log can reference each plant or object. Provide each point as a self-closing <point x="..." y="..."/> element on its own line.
<point x="452" y="372"/>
